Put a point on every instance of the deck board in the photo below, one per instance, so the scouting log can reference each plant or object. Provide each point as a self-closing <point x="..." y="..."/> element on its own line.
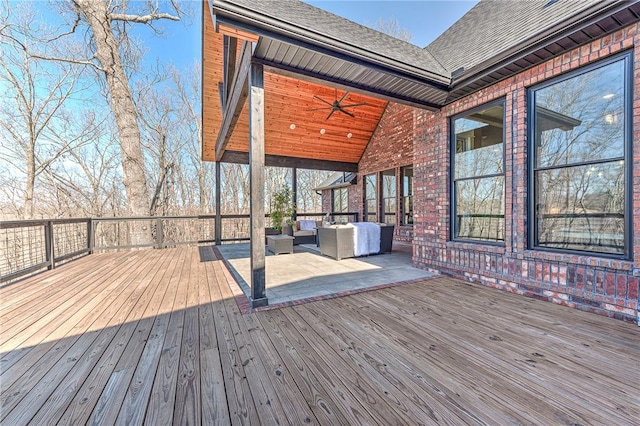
<point x="156" y="337"/>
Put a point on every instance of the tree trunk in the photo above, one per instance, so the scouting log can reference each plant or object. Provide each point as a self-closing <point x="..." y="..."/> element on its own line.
<point x="107" y="53"/>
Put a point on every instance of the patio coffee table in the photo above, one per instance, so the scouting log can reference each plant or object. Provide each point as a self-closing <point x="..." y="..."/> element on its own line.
<point x="279" y="244"/>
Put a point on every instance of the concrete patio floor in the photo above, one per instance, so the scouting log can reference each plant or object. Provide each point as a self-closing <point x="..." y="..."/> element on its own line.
<point x="306" y="274"/>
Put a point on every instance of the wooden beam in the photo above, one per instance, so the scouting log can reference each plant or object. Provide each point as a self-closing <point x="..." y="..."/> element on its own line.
<point x="229" y="64"/>
<point x="235" y="101"/>
<point x="237" y="33"/>
<point x="256" y="185"/>
<point x="237" y="157"/>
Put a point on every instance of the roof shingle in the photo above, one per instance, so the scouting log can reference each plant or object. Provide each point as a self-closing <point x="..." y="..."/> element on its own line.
<point x="342" y="31"/>
<point x="494" y="26"/>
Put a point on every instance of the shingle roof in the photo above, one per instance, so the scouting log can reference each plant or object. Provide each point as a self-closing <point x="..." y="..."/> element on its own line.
<point x="494" y="26"/>
<point x="342" y="31"/>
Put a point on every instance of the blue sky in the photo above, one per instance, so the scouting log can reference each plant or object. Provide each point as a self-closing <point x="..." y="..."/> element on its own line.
<point x="180" y="43"/>
<point x="425" y="20"/>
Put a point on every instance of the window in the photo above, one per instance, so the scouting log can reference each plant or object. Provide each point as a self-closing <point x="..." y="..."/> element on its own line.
<point x="478" y="174"/>
<point x="340" y="204"/>
<point x="407" y="195"/>
<point x="340" y="200"/>
<point x="579" y="144"/>
<point x="389" y="195"/>
<point x="370" y="198"/>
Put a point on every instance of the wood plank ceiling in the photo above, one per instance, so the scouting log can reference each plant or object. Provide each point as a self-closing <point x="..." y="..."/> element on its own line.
<point x="291" y="129"/>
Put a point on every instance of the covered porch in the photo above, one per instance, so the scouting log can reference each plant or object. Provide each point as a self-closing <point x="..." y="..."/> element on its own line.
<point x="158" y="337"/>
<point x="299" y="89"/>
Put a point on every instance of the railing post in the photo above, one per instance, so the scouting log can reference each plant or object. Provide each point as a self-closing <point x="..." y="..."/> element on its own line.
<point x="159" y="233"/>
<point x="90" y="235"/>
<point x="49" y="245"/>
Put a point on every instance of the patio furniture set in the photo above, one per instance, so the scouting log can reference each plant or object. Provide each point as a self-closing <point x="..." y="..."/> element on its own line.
<point x="338" y="241"/>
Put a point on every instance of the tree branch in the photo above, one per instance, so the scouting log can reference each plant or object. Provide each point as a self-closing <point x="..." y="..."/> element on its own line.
<point x="69" y="60"/>
<point x="52" y="58"/>
<point x="71" y="31"/>
<point x="142" y="19"/>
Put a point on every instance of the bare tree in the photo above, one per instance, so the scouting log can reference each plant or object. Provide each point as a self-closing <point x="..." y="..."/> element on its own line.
<point x="102" y="17"/>
<point x="35" y="123"/>
<point x="188" y="91"/>
<point x="107" y="22"/>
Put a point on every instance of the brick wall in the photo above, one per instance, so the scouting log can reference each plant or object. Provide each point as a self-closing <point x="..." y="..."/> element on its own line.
<point x="590" y="283"/>
<point x="390" y="147"/>
<point x="327" y="205"/>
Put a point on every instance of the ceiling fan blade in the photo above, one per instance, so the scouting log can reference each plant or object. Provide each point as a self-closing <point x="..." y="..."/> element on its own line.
<point x="343" y="97"/>
<point x="330" y="114"/>
<point x="322" y="100"/>
<point x="346" y="112"/>
<point x="318" y="109"/>
<point x="353" y="105"/>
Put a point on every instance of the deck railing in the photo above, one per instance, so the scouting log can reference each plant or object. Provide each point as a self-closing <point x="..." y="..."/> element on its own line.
<point x="29" y="246"/>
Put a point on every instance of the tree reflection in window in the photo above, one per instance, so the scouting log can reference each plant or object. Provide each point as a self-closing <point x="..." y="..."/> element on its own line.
<point x="370" y="198"/>
<point x="407" y="195"/>
<point x="478" y="175"/>
<point x="389" y="196"/>
<point x="579" y="160"/>
<point x="340" y="204"/>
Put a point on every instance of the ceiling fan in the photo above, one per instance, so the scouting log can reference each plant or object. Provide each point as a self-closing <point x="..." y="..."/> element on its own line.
<point x="337" y="105"/>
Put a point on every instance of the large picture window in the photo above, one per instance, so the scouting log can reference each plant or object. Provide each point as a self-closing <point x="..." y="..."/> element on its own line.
<point x="478" y="174"/>
<point x="407" y="195"/>
<point x="579" y="147"/>
<point x="370" y="198"/>
<point x="389" y="195"/>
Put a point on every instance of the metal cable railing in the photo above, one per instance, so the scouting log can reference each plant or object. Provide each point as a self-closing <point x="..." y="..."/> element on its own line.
<point x="29" y="246"/>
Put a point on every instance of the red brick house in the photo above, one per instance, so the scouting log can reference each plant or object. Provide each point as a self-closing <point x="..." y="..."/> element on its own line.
<point x="521" y="172"/>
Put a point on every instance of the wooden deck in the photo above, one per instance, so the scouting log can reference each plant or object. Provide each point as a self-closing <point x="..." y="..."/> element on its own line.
<point x="156" y="337"/>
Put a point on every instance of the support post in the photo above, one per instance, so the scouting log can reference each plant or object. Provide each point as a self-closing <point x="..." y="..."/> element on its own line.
<point x="294" y="188"/>
<point x="256" y="185"/>
<point x="159" y="234"/>
<point x="218" y="219"/>
<point x="90" y="235"/>
<point x="49" y="248"/>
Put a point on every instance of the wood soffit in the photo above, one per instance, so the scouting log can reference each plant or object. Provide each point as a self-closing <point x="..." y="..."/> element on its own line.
<point x="291" y="129"/>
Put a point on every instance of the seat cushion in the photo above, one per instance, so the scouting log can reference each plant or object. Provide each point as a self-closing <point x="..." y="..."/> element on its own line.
<point x="304" y="233"/>
<point x="307" y="225"/>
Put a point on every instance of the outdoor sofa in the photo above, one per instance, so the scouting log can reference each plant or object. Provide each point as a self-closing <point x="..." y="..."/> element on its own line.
<point x="337" y="241"/>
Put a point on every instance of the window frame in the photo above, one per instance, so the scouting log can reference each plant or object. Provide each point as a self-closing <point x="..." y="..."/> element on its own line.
<point x="404" y="196"/>
<point x="452" y="172"/>
<point x="532" y="224"/>
<point x="376" y="212"/>
<point x="383" y="199"/>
